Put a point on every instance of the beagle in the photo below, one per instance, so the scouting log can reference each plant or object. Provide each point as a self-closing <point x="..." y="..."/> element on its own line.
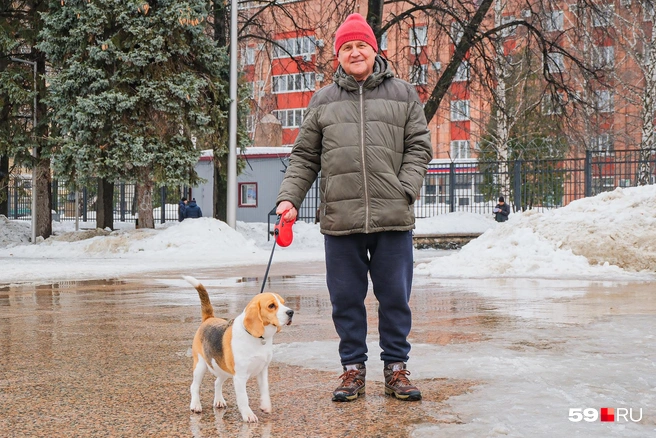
<point x="239" y="348"/>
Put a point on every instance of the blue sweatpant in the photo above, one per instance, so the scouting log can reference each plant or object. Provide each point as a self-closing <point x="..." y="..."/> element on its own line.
<point x="387" y="258"/>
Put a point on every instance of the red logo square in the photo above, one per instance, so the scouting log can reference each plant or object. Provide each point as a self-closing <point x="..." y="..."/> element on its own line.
<point x="608" y="414"/>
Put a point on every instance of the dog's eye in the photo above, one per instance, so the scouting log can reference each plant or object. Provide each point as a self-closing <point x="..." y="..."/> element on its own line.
<point x="272" y="306"/>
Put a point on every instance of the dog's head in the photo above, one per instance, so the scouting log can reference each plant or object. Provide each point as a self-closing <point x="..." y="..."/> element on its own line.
<point x="266" y="309"/>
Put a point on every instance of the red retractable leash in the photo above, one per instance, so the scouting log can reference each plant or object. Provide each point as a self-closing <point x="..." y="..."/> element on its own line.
<point x="283" y="236"/>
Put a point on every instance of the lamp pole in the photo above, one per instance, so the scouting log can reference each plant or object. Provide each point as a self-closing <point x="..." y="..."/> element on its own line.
<point x="33" y="64"/>
<point x="231" y="195"/>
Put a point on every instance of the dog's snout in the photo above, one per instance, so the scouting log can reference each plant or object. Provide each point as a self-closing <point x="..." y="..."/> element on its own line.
<point x="290" y="313"/>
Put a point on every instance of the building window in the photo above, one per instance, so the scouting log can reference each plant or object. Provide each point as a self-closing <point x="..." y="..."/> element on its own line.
<point x="604" y="101"/>
<point x="603" y="56"/>
<point x="250" y="124"/>
<point x="552" y="104"/>
<point x="602" y="16"/>
<point x="248" y="56"/>
<point x="511" y="30"/>
<point x="248" y="194"/>
<point x="418" y="74"/>
<point x="604" y="143"/>
<point x="554" y="21"/>
<point x="462" y="74"/>
<point x="293" y="82"/>
<point x="555" y="63"/>
<point x="290" y="118"/>
<point x="383" y="41"/>
<point x="459" y="110"/>
<point x="418" y="39"/>
<point x="456" y="32"/>
<point x="294" y="47"/>
<point x="460" y="149"/>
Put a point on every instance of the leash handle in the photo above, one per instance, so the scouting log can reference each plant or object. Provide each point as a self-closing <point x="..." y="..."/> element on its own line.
<point x="275" y="238"/>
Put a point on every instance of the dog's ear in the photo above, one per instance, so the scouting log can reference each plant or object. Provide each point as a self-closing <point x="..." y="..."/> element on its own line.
<point x="253" y="319"/>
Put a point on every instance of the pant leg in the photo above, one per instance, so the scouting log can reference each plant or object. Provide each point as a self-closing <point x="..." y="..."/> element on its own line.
<point x="391" y="273"/>
<point x="347" y="266"/>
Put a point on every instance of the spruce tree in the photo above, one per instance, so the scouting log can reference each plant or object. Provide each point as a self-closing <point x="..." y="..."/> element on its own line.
<point x="133" y="82"/>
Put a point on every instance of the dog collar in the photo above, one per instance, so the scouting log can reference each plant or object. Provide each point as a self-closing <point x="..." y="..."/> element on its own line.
<point x="261" y="338"/>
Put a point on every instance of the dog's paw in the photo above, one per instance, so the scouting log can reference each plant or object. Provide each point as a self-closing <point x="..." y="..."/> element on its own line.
<point x="249" y="416"/>
<point x="195" y="407"/>
<point x="266" y="407"/>
<point x="220" y="403"/>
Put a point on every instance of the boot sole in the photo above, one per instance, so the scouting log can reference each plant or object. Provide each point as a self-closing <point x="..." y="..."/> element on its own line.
<point x="347" y="398"/>
<point x="413" y="396"/>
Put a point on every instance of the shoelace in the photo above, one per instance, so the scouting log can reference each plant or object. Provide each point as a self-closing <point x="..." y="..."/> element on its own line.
<point x="400" y="376"/>
<point x="349" y="377"/>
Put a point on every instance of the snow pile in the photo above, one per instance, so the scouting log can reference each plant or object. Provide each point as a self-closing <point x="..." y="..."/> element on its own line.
<point x="610" y="235"/>
<point x="13" y="232"/>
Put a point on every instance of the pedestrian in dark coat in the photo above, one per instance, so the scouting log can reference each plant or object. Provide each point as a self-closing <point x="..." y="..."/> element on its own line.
<point x="193" y="210"/>
<point x="501" y="211"/>
<point x="182" y="205"/>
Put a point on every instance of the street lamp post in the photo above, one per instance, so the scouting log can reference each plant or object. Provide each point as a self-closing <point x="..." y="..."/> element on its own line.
<point x="33" y="64"/>
<point x="231" y="196"/>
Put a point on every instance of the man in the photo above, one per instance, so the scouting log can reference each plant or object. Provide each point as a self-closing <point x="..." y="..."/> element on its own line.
<point x="366" y="132"/>
<point x="501" y="211"/>
<point x="182" y="205"/>
<point x="193" y="211"/>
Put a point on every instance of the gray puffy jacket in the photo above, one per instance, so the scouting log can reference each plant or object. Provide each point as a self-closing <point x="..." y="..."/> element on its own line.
<point x="372" y="146"/>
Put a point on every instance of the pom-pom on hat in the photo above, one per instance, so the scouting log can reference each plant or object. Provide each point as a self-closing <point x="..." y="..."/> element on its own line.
<point x="355" y="28"/>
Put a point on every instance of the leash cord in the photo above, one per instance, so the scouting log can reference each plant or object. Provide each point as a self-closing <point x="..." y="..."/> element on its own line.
<point x="275" y="238"/>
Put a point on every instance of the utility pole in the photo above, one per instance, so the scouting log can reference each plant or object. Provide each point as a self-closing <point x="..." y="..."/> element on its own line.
<point x="231" y="196"/>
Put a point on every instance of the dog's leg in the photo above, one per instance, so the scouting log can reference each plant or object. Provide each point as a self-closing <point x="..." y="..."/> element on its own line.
<point x="199" y="372"/>
<point x="263" y="383"/>
<point x="247" y="413"/>
<point x="219" y="401"/>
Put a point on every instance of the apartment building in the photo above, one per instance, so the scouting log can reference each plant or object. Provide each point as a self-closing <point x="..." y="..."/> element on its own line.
<point x="601" y="60"/>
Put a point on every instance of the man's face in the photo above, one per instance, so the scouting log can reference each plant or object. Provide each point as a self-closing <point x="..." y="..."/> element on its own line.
<point x="357" y="59"/>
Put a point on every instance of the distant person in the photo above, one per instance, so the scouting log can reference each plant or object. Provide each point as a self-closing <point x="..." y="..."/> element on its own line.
<point x="192" y="210"/>
<point x="501" y="211"/>
<point x="182" y="205"/>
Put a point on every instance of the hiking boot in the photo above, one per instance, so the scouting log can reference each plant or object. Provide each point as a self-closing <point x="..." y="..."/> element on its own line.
<point x="352" y="383"/>
<point x="397" y="383"/>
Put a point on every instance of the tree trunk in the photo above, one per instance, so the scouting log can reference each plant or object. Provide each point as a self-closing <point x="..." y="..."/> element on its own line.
<point x="104" y="205"/>
<point x="145" y="199"/>
<point x="4" y="185"/>
<point x="220" y="189"/>
<point x="43" y="192"/>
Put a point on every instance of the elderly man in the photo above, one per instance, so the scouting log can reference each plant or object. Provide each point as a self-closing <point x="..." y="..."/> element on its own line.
<point x="366" y="132"/>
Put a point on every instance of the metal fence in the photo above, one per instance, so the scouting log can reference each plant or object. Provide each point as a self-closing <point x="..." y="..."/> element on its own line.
<point x="474" y="186"/>
<point x="471" y="186"/>
<point x="68" y="204"/>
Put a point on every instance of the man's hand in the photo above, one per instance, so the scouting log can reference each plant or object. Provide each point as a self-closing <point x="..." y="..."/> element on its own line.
<point x="284" y="206"/>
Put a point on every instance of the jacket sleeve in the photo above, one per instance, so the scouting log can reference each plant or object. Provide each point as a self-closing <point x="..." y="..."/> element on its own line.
<point x="304" y="161"/>
<point x="417" y="149"/>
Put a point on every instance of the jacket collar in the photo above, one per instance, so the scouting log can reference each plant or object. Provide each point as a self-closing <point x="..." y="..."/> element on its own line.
<point x="381" y="72"/>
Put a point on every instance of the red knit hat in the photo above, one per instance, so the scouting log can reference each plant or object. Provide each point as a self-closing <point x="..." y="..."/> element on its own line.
<point x="355" y="28"/>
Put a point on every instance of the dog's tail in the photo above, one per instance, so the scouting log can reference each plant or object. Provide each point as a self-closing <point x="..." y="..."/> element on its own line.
<point x="207" y="311"/>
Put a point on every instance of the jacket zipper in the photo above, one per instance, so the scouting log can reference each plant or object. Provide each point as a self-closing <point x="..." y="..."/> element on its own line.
<point x="364" y="163"/>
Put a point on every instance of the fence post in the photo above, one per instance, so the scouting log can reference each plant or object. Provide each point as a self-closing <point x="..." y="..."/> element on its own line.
<point x="122" y="202"/>
<point x="85" y="199"/>
<point x="55" y="195"/>
<point x="452" y="187"/>
<point x="588" y="173"/>
<point x="517" y="186"/>
<point x="15" y="200"/>
<point x="162" y="193"/>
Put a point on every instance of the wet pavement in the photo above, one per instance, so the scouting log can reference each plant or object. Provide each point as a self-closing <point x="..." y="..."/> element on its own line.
<point x="112" y="358"/>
